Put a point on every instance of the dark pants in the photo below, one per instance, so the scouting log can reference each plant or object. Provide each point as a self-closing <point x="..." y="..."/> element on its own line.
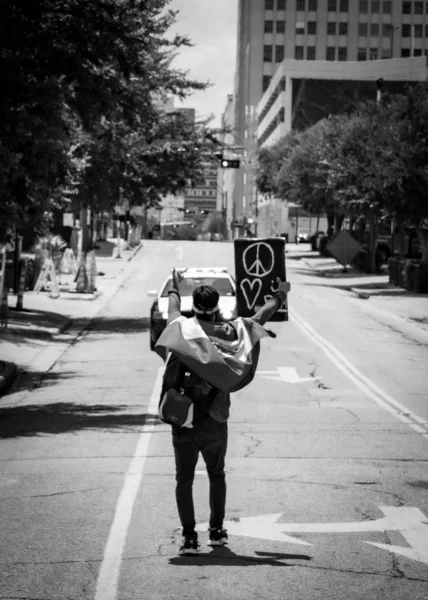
<point x="210" y="438"/>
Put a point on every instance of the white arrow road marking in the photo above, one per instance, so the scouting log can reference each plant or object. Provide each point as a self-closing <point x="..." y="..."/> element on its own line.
<point x="263" y="527"/>
<point x="286" y="374"/>
<point x="415" y="532"/>
<point x="409" y="521"/>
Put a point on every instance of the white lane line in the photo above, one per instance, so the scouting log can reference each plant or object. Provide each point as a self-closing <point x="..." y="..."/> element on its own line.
<point x="108" y="577"/>
<point x="367" y="386"/>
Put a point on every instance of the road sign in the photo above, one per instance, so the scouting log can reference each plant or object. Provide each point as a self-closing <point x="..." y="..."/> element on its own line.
<point x="344" y="247"/>
<point x="285" y="374"/>
<point x="407" y="520"/>
<point x="258" y="264"/>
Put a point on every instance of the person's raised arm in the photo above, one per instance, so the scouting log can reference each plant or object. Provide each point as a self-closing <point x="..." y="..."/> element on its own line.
<point x="174" y="296"/>
<point x="272" y="305"/>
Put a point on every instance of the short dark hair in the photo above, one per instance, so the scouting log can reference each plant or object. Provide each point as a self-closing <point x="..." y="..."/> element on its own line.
<point x="205" y="298"/>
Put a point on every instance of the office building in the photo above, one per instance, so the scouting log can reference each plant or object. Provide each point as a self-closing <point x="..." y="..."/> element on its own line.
<point x="313" y="31"/>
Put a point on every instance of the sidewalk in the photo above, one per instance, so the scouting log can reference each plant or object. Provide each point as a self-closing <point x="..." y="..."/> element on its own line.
<point x="44" y="318"/>
<point x="399" y="302"/>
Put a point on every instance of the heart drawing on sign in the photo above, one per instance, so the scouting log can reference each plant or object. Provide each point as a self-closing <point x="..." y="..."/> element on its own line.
<point x="251" y="291"/>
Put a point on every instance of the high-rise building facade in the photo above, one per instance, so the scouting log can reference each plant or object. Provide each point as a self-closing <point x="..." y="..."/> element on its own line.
<point x="270" y="31"/>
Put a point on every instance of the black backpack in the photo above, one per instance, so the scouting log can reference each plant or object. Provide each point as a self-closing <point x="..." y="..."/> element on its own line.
<point x="185" y="397"/>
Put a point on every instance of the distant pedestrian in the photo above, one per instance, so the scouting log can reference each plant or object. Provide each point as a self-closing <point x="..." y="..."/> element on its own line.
<point x="224" y="356"/>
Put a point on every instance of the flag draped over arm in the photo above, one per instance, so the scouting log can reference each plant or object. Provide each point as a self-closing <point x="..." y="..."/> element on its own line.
<point x="226" y="365"/>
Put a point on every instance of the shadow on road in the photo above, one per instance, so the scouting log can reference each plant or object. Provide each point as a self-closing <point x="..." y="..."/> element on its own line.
<point x="68" y="417"/>
<point x="116" y="325"/>
<point x="394" y="292"/>
<point x="30" y="380"/>
<point x="224" y="557"/>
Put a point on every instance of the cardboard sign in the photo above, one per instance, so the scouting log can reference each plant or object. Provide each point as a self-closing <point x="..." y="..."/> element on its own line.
<point x="258" y="264"/>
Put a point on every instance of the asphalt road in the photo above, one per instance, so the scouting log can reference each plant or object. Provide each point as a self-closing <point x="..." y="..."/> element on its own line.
<point x="326" y="468"/>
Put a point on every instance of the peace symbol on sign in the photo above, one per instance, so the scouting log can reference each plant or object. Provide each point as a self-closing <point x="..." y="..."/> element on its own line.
<point x="258" y="259"/>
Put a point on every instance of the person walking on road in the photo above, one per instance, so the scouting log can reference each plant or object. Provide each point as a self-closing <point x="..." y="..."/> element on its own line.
<point x="224" y="356"/>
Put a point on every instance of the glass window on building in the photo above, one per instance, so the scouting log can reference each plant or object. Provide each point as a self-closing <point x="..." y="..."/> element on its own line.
<point x="405" y="52"/>
<point x="332" y="5"/>
<point x="331" y="53"/>
<point x="407" y="8"/>
<point x="310" y="53"/>
<point x="268" y="4"/>
<point x="343" y="7"/>
<point x="280" y="27"/>
<point x="426" y="30"/>
<point x="342" y="53"/>
<point x="331" y="28"/>
<point x="374" y="29"/>
<point x="361" y="54"/>
<point x="298" y="53"/>
<point x="375" y="6"/>
<point x="373" y="53"/>
<point x="387" y="7"/>
<point x="405" y="30"/>
<point x="386" y="30"/>
<point x="300" y="28"/>
<point x="267" y="53"/>
<point x="280" y="5"/>
<point x="419" y="8"/>
<point x="312" y="27"/>
<point x="364" y="6"/>
<point x="300" y="4"/>
<point x="266" y="82"/>
<point x="417" y="52"/>
<point x="313" y="5"/>
<point x="343" y="28"/>
<point x="279" y="53"/>
<point x="268" y="26"/>
<point x="386" y="53"/>
<point x="417" y="31"/>
<point x="362" y="29"/>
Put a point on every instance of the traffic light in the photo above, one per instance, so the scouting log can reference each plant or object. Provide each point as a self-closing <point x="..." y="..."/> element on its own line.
<point x="230" y="163"/>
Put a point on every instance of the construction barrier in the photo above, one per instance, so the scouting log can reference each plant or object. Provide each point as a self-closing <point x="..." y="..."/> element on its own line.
<point x="91" y="269"/>
<point x="68" y="262"/>
<point x="47" y="277"/>
<point x="81" y="278"/>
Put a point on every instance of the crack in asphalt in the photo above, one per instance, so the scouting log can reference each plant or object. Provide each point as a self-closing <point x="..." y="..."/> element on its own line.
<point x="348" y="410"/>
<point x="251" y="448"/>
<point x="366" y="516"/>
<point x="55" y="493"/>
<point x="395" y="568"/>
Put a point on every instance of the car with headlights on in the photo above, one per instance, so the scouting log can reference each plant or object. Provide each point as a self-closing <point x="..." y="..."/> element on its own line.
<point x="218" y="277"/>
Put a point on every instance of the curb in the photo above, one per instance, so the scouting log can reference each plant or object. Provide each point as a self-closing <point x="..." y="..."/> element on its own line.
<point x="360" y="293"/>
<point x="7" y="375"/>
<point x="135" y="252"/>
<point x="42" y="333"/>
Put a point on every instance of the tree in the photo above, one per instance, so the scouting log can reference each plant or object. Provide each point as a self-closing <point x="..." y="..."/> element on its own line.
<point x="75" y="76"/>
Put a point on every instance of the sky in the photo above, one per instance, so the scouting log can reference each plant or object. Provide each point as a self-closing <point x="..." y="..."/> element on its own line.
<point x="211" y="26"/>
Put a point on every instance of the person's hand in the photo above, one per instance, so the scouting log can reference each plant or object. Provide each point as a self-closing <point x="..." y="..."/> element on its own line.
<point x="177" y="277"/>
<point x="284" y="286"/>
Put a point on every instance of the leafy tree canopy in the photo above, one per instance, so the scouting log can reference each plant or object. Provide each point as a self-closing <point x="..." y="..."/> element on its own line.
<point x="81" y="113"/>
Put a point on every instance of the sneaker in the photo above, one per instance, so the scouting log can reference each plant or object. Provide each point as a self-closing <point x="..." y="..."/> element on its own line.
<point x="218" y="537"/>
<point x="190" y="546"/>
